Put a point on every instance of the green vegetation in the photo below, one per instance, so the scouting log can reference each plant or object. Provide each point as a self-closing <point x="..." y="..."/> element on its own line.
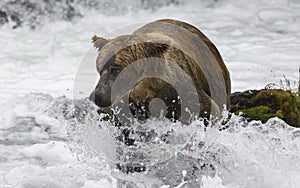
<point x="265" y="104"/>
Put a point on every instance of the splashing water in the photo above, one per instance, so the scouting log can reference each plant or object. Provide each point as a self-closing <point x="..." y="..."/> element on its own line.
<point x="40" y="130"/>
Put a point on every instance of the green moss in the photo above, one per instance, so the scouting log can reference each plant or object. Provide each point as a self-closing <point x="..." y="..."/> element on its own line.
<point x="258" y="113"/>
<point x="265" y="104"/>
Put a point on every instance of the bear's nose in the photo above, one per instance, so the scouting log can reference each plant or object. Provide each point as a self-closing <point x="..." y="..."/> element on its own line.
<point x="96" y="98"/>
<point x="100" y="99"/>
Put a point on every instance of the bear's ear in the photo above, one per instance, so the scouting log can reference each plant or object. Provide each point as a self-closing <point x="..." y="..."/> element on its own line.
<point x="99" y="42"/>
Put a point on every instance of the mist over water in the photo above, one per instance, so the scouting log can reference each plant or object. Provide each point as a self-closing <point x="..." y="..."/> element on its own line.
<point x="52" y="136"/>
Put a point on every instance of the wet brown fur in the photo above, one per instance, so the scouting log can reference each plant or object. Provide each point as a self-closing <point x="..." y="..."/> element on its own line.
<point x="138" y="47"/>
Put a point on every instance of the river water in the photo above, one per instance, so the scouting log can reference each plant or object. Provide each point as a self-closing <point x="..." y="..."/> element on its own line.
<point x="51" y="136"/>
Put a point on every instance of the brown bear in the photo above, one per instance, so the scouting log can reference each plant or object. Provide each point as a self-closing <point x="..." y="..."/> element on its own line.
<point x="168" y="60"/>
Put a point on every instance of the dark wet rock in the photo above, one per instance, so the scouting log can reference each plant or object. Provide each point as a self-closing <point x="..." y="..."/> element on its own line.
<point x="32" y="13"/>
<point x="267" y="103"/>
<point x="242" y="99"/>
<point x="3" y="17"/>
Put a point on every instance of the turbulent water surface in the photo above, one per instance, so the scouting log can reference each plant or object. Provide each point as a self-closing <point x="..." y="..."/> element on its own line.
<point x="51" y="136"/>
